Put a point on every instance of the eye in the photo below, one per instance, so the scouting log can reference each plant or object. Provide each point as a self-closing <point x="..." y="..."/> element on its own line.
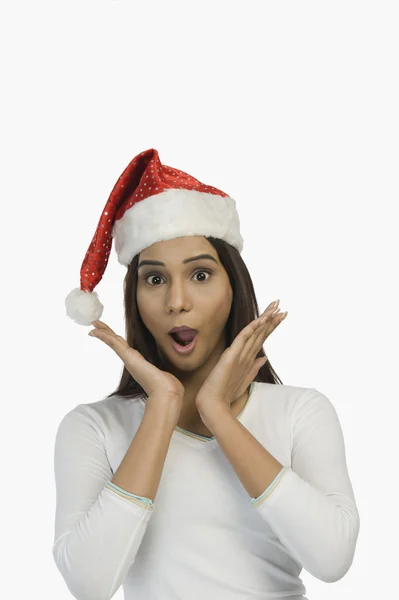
<point x="151" y="275"/>
<point x="157" y="275"/>
<point x="203" y="271"/>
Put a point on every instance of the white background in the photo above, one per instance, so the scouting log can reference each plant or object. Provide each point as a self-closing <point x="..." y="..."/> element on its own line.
<point x="289" y="107"/>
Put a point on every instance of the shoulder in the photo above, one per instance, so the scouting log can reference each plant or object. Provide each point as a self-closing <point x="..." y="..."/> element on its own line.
<point x="283" y="397"/>
<point x="306" y="413"/>
<point x="99" y="417"/>
<point x="298" y="403"/>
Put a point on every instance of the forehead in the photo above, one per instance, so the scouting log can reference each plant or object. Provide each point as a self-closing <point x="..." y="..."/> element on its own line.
<point x="178" y="249"/>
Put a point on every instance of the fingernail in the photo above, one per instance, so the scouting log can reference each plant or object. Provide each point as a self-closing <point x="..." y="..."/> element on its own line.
<point x="92" y="334"/>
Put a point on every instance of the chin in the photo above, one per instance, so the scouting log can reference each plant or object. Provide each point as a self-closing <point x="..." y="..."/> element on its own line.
<point x="175" y="364"/>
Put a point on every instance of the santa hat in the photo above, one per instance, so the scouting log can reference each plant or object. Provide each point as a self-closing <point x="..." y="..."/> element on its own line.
<point x="150" y="203"/>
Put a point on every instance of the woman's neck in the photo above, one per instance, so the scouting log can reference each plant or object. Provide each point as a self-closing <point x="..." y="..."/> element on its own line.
<point x="190" y="419"/>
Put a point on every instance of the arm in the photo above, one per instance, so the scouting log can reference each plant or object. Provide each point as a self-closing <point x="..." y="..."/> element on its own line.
<point x="310" y="505"/>
<point x="140" y="471"/>
<point x="254" y="465"/>
<point x="98" y="531"/>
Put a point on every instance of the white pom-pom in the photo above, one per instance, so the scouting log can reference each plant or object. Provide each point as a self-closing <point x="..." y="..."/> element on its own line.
<point x="83" y="307"/>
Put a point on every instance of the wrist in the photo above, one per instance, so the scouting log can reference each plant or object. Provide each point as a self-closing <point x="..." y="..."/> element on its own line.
<point x="212" y="407"/>
<point x="164" y="408"/>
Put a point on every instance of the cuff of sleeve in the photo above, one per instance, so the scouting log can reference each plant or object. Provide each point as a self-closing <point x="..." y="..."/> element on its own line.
<point x="257" y="501"/>
<point x="132" y="497"/>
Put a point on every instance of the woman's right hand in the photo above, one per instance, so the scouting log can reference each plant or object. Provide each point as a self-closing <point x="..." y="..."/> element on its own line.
<point x="154" y="381"/>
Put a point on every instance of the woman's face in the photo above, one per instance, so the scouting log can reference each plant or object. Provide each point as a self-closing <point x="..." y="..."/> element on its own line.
<point x="197" y="294"/>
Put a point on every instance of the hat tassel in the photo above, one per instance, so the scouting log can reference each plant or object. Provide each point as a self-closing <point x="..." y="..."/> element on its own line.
<point x="83" y="307"/>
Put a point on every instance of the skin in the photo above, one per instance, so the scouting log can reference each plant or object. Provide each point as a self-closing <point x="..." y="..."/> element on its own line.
<point x="183" y="294"/>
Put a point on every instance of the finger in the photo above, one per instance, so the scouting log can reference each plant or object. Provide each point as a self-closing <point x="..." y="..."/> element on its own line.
<point x="102" y="325"/>
<point x="245" y="340"/>
<point x="266" y="316"/>
<point x="264" y="321"/>
<point x="273" y="320"/>
<point x="266" y="327"/>
<point x="270" y="311"/>
<point x="109" y="337"/>
<point x="241" y="349"/>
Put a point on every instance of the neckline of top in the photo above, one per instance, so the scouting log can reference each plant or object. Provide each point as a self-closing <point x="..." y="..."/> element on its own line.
<point x="198" y="441"/>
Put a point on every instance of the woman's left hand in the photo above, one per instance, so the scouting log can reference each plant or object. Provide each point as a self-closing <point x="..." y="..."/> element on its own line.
<point x="238" y="365"/>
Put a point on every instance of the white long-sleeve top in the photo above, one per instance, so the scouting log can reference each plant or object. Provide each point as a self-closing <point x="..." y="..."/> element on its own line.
<point x="204" y="537"/>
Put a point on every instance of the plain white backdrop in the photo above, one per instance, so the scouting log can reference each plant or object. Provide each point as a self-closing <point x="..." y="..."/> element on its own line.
<point x="289" y="107"/>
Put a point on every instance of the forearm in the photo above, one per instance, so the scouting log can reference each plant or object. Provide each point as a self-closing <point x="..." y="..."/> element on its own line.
<point x="254" y="465"/>
<point x="97" y="533"/>
<point x="318" y="523"/>
<point x="141" y="468"/>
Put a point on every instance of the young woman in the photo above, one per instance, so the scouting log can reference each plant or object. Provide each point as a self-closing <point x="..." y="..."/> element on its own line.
<point x="201" y="475"/>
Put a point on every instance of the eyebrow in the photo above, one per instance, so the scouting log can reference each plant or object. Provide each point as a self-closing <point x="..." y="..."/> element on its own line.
<point x="185" y="261"/>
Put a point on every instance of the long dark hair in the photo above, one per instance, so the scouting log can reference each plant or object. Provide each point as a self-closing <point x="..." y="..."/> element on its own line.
<point x="244" y="309"/>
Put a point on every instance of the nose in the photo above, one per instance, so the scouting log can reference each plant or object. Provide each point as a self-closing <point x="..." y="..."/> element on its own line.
<point x="177" y="298"/>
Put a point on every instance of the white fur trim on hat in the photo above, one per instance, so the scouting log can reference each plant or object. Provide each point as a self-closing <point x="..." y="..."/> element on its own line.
<point x="175" y="213"/>
<point x="83" y="307"/>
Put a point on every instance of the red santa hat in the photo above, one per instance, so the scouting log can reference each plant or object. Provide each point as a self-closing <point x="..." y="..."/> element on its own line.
<point x="150" y="203"/>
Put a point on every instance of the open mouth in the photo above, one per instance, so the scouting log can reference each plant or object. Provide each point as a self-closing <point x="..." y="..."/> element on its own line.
<point x="183" y="347"/>
<point x="180" y="342"/>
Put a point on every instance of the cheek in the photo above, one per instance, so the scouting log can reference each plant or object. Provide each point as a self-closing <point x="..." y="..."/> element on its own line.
<point x="147" y="311"/>
<point x="219" y="310"/>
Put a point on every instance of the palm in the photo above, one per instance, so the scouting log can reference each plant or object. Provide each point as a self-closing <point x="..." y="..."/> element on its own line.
<point x="152" y="380"/>
<point x="225" y="381"/>
<point x="238" y="365"/>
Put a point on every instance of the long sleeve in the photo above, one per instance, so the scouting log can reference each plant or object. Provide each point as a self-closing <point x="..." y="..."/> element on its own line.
<point x="312" y="508"/>
<point x="97" y="531"/>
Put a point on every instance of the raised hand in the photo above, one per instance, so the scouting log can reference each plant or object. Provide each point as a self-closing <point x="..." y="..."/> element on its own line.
<point x="238" y="365"/>
<point x="154" y="381"/>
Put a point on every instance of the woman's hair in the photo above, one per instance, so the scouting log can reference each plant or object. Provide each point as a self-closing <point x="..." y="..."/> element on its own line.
<point x="244" y="309"/>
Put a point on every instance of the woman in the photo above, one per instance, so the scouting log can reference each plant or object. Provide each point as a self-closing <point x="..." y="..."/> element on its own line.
<point x="249" y="475"/>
